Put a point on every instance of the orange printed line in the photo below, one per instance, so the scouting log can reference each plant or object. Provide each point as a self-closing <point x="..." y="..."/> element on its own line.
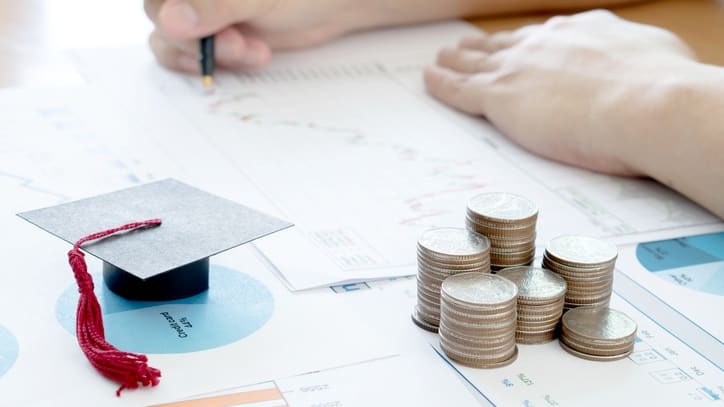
<point x="256" y="396"/>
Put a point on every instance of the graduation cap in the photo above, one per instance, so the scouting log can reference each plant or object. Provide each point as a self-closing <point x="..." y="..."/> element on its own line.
<point x="155" y="241"/>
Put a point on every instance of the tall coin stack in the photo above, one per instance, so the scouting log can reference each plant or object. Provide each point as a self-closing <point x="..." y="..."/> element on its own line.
<point x="540" y="302"/>
<point x="441" y="253"/>
<point x="587" y="265"/>
<point x="478" y="319"/>
<point x="597" y="333"/>
<point x="509" y="222"/>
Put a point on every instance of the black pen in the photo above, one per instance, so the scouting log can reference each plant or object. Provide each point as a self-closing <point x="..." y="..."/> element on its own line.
<point x="207" y="60"/>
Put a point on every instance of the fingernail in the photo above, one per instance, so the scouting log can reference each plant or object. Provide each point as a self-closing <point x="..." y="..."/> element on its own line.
<point x="183" y="14"/>
<point x="187" y="63"/>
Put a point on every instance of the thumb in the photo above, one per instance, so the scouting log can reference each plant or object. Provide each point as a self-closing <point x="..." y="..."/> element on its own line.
<point x="187" y="19"/>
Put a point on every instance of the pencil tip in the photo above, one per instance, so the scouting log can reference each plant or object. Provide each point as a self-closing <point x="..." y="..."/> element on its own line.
<point x="207" y="81"/>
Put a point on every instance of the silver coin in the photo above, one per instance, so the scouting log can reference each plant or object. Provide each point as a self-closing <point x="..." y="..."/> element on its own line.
<point x="541" y="323"/>
<point x="485" y="309"/>
<point x="479" y="288"/>
<point x="587" y="300"/>
<point x="443" y="260"/>
<point x="500" y="234"/>
<point x="475" y="219"/>
<point x="472" y="344"/>
<point x="447" y="269"/>
<point x="548" y="262"/>
<point x="476" y="362"/>
<point x="593" y="357"/>
<point x="535" y="283"/>
<point x="527" y="339"/>
<point x="422" y="323"/>
<point x="539" y="304"/>
<point x="581" y="250"/>
<point x="453" y="242"/>
<point x="595" y="348"/>
<point x="553" y="316"/>
<point x="477" y="317"/>
<point x="497" y="353"/>
<point x="504" y="253"/>
<point x="599" y="323"/>
<point x="503" y="207"/>
<point x="490" y="338"/>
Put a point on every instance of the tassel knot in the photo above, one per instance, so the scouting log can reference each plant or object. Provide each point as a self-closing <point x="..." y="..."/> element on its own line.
<point x="128" y="369"/>
<point x="76" y="258"/>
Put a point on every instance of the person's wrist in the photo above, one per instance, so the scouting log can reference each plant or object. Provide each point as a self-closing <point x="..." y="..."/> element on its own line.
<point x="647" y="111"/>
<point x="354" y="15"/>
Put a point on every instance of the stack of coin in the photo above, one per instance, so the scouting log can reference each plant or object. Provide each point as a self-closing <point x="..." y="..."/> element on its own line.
<point x="477" y="319"/>
<point x="441" y="253"/>
<point x="540" y="302"/>
<point x="509" y="222"/>
<point x="587" y="265"/>
<point x="597" y="333"/>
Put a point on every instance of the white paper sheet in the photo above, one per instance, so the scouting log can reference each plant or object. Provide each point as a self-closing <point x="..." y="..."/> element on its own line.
<point x="351" y="200"/>
<point x="343" y="141"/>
<point x="417" y="378"/>
<point x="675" y="362"/>
<point x="692" y="285"/>
<point x="68" y="143"/>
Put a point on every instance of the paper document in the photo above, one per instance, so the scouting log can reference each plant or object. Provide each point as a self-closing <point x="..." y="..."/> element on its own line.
<point x="675" y="362"/>
<point x="343" y="141"/>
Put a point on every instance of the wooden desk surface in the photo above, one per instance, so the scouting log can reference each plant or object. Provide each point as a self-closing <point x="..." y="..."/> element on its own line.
<point x="34" y="32"/>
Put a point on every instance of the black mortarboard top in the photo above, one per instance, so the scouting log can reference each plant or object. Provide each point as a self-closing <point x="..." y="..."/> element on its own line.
<point x="159" y="263"/>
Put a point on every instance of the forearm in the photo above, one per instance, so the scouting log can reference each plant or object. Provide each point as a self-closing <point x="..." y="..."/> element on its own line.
<point x="377" y="13"/>
<point x="678" y="138"/>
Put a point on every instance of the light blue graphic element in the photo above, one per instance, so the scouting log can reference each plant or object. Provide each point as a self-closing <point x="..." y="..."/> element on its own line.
<point x="235" y="306"/>
<point x="695" y="262"/>
<point x="8" y="350"/>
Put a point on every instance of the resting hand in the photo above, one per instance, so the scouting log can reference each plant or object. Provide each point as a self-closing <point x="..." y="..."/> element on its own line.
<point x="562" y="89"/>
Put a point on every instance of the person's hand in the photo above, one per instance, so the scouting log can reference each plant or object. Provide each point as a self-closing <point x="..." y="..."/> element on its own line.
<point x="566" y="89"/>
<point x="246" y="30"/>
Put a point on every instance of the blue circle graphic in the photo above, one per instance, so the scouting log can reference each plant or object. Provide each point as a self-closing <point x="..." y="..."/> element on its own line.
<point x="235" y="306"/>
<point x="8" y="350"/>
<point x="695" y="262"/>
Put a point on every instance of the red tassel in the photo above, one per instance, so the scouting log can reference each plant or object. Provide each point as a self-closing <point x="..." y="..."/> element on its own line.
<point x="128" y="369"/>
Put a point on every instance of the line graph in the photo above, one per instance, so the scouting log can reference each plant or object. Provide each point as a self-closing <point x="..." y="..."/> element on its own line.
<point x="31" y="185"/>
<point x="358" y="148"/>
<point x="446" y="176"/>
<point x="59" y="149"/>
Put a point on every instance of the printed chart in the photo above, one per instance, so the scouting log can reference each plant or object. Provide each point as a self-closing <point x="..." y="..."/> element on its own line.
<point x="55" y="150"/>
<point x="674" y="362"/>
<point x="236" y="306"/>
<point x="393" y="381"/>
<point x="363" y="176"/>
<point x="8" y="350"/>
<point x="695" y="262"/>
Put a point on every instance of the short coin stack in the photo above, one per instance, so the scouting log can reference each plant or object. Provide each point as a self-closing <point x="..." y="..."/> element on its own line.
<point x="597" y="333"/>
<point x="441" y="253"/>
<point x="478" y="319"/>
<point x="540" y="302"/>
<point x="587" y="265"/>
<point x="509" y="222"/>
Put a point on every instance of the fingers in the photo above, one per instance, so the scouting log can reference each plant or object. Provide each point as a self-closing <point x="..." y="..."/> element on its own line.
<point x="455" y="89"/>
<point x="186" y="19"/>
<point x="232" y="51"/>
<point x="152" y="7"/>
<point x="466" y="61"/>
<point x="493" y="42"/>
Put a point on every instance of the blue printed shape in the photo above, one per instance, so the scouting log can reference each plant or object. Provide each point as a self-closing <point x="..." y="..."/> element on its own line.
<point x="8" y="350"/>
<point x="686" y="251"/>
<point x="235" y="306"/>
